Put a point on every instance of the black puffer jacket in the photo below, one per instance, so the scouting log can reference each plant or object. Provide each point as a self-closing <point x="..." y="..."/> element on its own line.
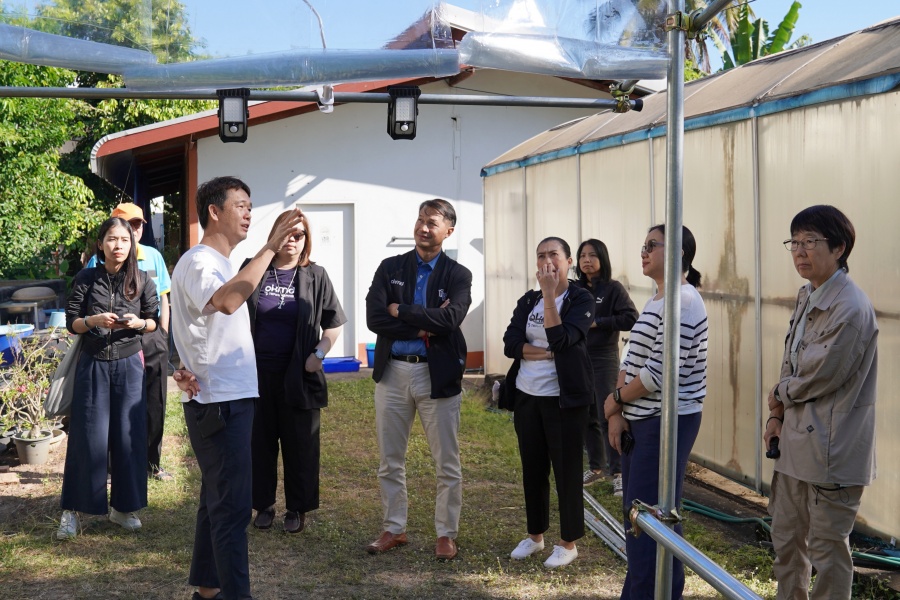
<point x="97" y="291"/>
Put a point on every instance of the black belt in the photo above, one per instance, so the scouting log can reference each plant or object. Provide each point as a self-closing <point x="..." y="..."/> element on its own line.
<point x="410" y="358"/>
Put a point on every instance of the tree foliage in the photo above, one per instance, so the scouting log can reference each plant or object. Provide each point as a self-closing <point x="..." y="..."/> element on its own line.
<point x="751" y="39"/>
<point x="42" y="210"/>
<point x="50" y="201"/>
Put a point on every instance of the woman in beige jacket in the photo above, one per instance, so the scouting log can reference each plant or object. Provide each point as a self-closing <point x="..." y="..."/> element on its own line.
<point x="822" y="412"/>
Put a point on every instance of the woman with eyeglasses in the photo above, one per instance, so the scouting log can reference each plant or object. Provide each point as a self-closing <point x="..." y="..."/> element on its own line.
<point x="614" y="313"/>
<point x="822" y="412"/>
<point x="634" y="408"/>
<point x="111" y="306"/>
<point x="549" y="388"/>
<point x="295" y="317"/>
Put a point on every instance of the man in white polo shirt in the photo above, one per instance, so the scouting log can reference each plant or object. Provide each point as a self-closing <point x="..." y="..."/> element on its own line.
<point x="211" y="329"/>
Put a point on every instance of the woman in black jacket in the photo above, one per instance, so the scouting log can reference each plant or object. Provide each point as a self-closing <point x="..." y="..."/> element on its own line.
<point x="292" y="304"/>
<point x="614" y="313"/>
<point x="550" y="388"/>
<point x="111" y="305"/>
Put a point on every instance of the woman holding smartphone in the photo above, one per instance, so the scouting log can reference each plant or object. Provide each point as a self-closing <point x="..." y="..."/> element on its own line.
<point x="111" y="306"/>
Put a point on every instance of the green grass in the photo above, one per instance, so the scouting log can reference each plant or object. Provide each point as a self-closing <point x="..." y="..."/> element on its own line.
<point x="328" y="559"/>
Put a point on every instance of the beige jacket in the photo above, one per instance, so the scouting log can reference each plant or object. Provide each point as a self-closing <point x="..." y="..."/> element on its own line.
<point x="828" y="434"/>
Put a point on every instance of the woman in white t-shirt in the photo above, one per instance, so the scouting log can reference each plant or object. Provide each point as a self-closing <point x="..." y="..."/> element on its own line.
<point x="550" y="387"/>
<point x="635" y="406"/>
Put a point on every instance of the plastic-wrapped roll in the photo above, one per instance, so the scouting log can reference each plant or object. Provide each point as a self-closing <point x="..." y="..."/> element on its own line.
<point x="294" y="68"/>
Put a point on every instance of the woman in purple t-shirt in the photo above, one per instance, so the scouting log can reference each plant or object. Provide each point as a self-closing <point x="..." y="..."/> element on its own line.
<point x="295" y="317"/>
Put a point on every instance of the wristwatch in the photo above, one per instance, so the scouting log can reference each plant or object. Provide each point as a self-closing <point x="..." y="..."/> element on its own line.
<point x="319" y="354"/>
<point x="617" y="395"/>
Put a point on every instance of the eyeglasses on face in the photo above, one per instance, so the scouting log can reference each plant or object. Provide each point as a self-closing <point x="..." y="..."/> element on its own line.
<point x="651" y="246"/>
<point x="298" y="236"/>
<point x="807" y="244"/>
<point x="136" y="223"/>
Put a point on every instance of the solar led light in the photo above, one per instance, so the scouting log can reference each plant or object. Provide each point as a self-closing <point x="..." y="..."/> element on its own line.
<point x="233" y="114"/>
<point x="402" y="110"/>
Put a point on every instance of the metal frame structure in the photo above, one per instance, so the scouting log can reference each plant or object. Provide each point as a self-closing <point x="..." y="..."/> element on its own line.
<point x="679" y="26"/>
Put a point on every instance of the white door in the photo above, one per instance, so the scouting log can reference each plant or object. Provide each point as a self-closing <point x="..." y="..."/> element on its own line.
<point x="333" y="248"/>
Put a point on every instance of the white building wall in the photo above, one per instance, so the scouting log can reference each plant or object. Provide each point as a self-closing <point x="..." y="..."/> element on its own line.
<point x="348" y="158"/>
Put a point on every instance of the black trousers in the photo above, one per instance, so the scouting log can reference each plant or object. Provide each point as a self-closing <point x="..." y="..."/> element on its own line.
<point x="156" y="368"/>
<point x="220" y="558"/>
<point x="601" y="455"/>
<point x="551" y="436"/>
<point x="296" y="431"/>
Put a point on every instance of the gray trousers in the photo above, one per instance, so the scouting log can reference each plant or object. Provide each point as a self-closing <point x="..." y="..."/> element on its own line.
<point x="811" y="525"/>
<point x="404" y="390"/>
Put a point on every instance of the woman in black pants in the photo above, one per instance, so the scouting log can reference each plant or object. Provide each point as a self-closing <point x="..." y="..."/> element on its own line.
<point x="614" y="313"/>
<point x="550" y="388"/>
<point x="293" y="303"/>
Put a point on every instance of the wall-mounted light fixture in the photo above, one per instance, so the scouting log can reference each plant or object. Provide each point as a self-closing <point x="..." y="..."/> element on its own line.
<point x="402" y="110"/>
<point x="233" y="114"/>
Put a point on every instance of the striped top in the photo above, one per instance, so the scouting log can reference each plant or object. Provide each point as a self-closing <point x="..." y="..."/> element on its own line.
<point x="645" y="357"/>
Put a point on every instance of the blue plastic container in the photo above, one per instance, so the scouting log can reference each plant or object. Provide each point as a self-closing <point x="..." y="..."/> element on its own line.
<point x="344" y="364"/>
<point x="370" y="355"/>
<point x="10" y="336"/>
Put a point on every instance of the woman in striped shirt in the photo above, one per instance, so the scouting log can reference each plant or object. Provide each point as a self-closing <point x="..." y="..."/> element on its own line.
<point x="635" y="405"/>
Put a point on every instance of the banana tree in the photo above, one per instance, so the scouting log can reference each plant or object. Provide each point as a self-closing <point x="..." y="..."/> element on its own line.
<point x="751" y="40"/>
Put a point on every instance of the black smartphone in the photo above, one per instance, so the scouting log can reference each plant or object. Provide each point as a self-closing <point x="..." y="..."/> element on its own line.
<point x="627" y="443"/>
<point x="209" y="420"/>
<point x="122" y="320"/>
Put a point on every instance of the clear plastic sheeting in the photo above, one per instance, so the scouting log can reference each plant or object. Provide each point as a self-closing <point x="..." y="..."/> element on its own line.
<point x="593" y="39"/>
<point x="37" y="48"/>
<point x="211" y="44"/>
<point x="299" y="67"/>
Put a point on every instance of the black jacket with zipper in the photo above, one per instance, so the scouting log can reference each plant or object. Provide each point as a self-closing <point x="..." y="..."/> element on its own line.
<point x="395" y="282"/>
<point x="96" y="291"/>
<point x="567" y="342"/>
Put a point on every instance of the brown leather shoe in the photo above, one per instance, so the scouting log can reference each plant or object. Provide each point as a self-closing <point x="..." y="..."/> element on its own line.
<point x="387" y="541"/>
<point x="445" y="548"/>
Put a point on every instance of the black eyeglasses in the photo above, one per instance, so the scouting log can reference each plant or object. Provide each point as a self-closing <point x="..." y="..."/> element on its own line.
<point x="136" y="223"/>
<point x="298" y="236"/>
<point x="651" y="246"/>
<point x="807" y="244"/>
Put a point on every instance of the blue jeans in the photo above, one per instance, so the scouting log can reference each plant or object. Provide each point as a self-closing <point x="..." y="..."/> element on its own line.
<point x="640" y="480"/>
<point x="108" y="426"/>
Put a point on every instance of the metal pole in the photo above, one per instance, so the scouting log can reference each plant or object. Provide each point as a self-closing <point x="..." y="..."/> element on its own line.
<point x="672" y="306"/>
<point x="723" y="582"/>
<point x="339" y="97"/>
<point x="757" y="304"/>
<point x="701" y="18"/>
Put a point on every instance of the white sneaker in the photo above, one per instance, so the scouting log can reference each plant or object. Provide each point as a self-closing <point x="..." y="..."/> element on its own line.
<point x="127" y="520"/>
<point x="617" y="485"/>
<point x="561" y="557"/>
<point x="68" y="525"/>
<point x="526" y="548"/>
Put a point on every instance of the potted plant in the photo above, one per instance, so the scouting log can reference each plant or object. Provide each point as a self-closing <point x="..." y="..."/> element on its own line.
<point x="25" y="383"/>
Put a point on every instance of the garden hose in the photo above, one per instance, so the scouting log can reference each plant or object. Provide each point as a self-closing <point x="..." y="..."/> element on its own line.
<point x="764" y="522"/>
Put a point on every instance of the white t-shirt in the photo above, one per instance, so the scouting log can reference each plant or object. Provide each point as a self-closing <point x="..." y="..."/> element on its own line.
<point x="217" y="348"/>
<point x="538" y="377"/>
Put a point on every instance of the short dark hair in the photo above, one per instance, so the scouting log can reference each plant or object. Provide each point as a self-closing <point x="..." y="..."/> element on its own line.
<point x="602" y="254"/>
<point x="444" y="208"/>
<point x="689" y="251"/>
<point x="213" y="193"/>
<point x="832" y="224"/>
<point x="560" y="241"/>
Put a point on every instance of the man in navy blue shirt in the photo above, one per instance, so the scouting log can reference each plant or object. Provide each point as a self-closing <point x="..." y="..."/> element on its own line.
<point x="416" y="305"/>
